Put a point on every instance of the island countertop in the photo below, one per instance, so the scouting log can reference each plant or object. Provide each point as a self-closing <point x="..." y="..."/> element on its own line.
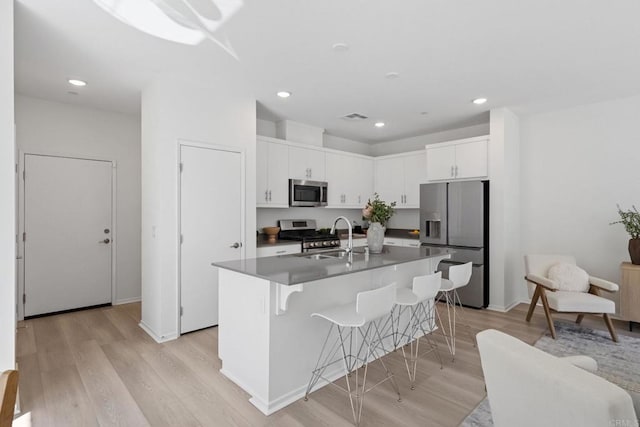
<point x="298" y="268"/>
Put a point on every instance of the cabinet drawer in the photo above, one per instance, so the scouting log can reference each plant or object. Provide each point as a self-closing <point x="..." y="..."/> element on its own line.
<point x="277" y="250"/>
<point x="393" y="242"/>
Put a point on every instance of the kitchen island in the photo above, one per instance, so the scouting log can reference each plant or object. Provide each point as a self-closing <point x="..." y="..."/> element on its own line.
<point x="267" y="340"/>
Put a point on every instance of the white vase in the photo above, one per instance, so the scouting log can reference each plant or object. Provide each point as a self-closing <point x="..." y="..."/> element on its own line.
<point x="375" y="237"/>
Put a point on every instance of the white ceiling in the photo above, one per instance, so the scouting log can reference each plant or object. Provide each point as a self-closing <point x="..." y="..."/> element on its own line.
<point x="530" y="55"/>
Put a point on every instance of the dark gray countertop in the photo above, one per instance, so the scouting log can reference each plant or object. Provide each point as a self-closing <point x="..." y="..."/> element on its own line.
<point x="296" y="268"/>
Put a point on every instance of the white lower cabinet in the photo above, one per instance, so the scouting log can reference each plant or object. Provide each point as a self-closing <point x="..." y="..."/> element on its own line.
<point x="278" y="250"/>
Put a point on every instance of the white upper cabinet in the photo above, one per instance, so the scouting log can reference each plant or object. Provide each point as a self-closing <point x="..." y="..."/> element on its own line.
<point x="350" y="179"/>
<point x="272" y="180"/>
<point x="398" y="178"/>
<point x="306" y="163"/>
<point x="463" y="159"/>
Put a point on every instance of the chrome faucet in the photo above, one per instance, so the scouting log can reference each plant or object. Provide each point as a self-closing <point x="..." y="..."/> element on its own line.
<point x="333" y="230"/>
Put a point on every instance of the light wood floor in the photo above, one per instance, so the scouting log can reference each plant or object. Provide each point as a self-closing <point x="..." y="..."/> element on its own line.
<point x="97" y="367"/>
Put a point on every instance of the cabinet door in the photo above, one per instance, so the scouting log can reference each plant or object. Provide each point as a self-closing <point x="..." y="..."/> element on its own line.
<point x="390" y="241"/>
<point x="389" y="179"/>
<point x="262" y="185"/>
<point x="278" y="176"/>
<point x="414" y="175"/>
<point x="363" y="181"/>
<point x="335" y="174"/>
<point x="471" y="159"/>
<point x="441" y="163"/>
<point x="411" y="243"/>
<point x="298" y="166"/>
<point x="316" y="162"/>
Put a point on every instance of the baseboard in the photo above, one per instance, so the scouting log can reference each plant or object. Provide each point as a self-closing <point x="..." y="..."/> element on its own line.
<point x="158" y="338"/>
<point x="503" y="309"/>
<point x="269" y="407"/>
<point x="127" y="300"/>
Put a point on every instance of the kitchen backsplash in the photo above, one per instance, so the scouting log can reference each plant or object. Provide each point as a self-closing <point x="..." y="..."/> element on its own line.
<point x="266" y="217"/>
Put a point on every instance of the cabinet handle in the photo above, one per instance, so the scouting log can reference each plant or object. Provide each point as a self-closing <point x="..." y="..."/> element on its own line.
<point x="266" y="196"/>
<point x="269" y="195"/>
<point x="456" y="170"/>
<point x="359" y="199"/>
<point x="452" y="171"/>
<point x="280" y="252"/>
<point x="310" y="173"/>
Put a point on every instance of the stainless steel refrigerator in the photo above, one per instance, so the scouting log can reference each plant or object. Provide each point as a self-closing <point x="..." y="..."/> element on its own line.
<point x="455" y="215"/>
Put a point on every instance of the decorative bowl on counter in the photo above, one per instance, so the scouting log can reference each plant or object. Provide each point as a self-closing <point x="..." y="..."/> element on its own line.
<point x="272" y="233"/>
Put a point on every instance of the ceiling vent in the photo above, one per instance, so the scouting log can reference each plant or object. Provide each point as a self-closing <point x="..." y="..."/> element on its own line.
<point x="354" y="117"/>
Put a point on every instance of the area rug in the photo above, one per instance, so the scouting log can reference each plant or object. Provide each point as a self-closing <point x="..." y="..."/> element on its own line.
<point x="617" y="362"/>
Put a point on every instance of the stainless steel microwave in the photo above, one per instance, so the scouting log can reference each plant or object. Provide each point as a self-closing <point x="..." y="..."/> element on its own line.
<point x="307" y="193"/>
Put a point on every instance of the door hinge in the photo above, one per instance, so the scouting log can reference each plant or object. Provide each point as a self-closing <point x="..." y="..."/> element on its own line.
<point x="24" y="175"/>
<point x="24" y="298"/>
<point x="24" y="236"/>
<point x="181" y="166"/>
<point x="16" y="168"/>
<point x="181" y="239"/>
<point x="181" y="310"/>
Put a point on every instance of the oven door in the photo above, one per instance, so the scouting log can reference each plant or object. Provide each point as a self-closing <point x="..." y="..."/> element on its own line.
<point x="307" y="193"/>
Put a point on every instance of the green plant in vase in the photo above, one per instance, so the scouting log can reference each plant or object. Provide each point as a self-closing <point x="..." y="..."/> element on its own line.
<point x="377" y="212"/>
<point x="631" y="221"/>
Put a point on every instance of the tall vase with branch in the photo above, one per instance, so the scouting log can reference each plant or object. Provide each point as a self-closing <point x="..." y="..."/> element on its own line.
<point x="631" y="221"/>
<point x="377" y="212"/>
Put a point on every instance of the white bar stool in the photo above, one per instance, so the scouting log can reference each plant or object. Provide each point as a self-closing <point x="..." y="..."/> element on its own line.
<point x="420" y="301"/>
<point x="358" y="328"/>
<point x="459" y="276"/>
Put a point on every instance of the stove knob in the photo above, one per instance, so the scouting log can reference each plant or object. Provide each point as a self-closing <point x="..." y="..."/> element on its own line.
<point x="312" y="245"/>
<point x="325" y="243"/>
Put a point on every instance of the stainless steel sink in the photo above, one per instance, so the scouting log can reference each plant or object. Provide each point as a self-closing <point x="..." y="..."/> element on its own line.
<point x="335" y="254"/>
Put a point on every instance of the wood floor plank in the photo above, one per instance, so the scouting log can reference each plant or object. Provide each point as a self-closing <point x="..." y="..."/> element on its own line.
<point x="25" y="339"/>
<point x="155" y="398"/>
<point x="67" y="402"/>
<point x="31" y="390"/>
<point x="112" y="402"/>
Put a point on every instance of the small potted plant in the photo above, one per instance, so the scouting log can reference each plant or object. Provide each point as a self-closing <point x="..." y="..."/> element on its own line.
<point x="378" y="213"/>
<point x="631" y="221"/>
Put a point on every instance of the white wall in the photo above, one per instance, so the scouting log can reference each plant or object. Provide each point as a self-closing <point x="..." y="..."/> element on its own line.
<point x="505" y="256"/>
<point x="418" y="142"/>
<point x="47" y="127"/>
<point x="267" y="217"/>
<point x="344" y="144"/>
<point x="214" y="109"/>
<point x="7" y="193"/>
<point x="577" y="164"/>
<point x="266" y="128"/>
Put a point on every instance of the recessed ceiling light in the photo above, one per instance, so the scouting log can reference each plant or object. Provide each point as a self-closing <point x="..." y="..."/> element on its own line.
<point x="284" y="94"/>
<point x="479" y="101"/>
<point x="379" y="124"/>
<point x="340" y="47"/>
<point x="77" y="82"/>
<point x="392" y="75"/>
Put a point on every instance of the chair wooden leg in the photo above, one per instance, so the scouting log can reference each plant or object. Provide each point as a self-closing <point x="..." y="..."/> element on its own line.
<point x="547" y="313"/>
<point x="579" y="319"/>
<point x="534" y="301"/>
<point x="612" y="330"/>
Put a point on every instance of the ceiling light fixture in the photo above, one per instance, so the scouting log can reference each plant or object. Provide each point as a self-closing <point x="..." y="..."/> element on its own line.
<point x="77" y="82"/>
<point x="340" y="47"/>
<point x="479" y="101"/>
<point x="284" y="94"/>
<point x="379" y="124"/>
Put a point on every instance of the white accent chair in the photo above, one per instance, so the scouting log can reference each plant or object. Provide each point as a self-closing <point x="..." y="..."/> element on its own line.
<point x="548" y="291"/>
<point x="528" y="387"/>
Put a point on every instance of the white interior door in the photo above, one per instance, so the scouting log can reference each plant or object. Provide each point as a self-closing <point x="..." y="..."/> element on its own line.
<point x="211" y="217"/>
<point x="68" y="226"/>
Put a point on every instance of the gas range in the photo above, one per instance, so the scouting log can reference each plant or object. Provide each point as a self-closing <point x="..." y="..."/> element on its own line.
<point x="304" y="230"/>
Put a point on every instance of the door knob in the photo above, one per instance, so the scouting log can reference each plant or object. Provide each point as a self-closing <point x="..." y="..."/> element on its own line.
<point x="236" y="245"/>
<point x="105" y="241"/>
